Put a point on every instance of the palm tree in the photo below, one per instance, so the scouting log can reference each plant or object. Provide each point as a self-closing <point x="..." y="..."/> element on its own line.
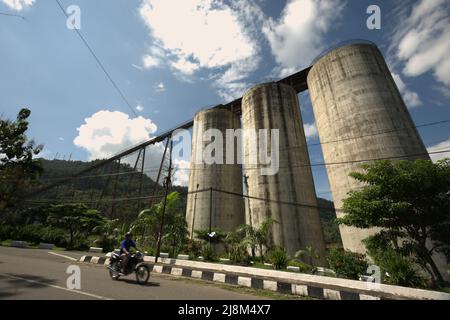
<point x="176" y="232"/>
<point x="258" y="237"/>
<point x="109" y="234"/>
<point x="308" y="253"/>
<point x="146" y="226"/>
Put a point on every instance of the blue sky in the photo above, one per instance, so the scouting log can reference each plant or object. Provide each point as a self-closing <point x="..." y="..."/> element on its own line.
<point x="169" y="63"/>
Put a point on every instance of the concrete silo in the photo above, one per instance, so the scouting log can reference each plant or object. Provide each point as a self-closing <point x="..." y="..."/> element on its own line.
<point x="360" y="114"/>
<point x="214" y="209"/>
<point x="275" y="106"/>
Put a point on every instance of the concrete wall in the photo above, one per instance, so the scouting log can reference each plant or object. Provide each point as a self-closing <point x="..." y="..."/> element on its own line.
<point x="284" y="282"/>
<point x="275" y="106"/>
<point x="354" y="97"/>
<point x="227" y="210"/>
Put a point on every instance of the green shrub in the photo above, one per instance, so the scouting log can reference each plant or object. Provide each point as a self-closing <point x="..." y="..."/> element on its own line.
<point x="30" y="233"/>
<point x="279" y="258"/>
<point x="6" y="232"/>
<point x="209" y="254"/>
<point x="193" y="248"/>
<point x="55" y="236"/>
<point x="347" y="264"/>
<point x="238" y="255"/>
<point x="398" y="270"/>
<point x="304" y="267"/>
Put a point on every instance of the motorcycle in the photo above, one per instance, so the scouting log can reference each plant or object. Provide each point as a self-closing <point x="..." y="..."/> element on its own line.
<point x="135" y="264"/>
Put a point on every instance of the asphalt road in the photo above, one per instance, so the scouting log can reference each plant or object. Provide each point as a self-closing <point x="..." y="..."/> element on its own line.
<point x="38" y="274"/>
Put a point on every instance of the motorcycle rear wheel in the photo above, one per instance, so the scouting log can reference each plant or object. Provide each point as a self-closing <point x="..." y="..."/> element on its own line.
<point x="142" y="274"/>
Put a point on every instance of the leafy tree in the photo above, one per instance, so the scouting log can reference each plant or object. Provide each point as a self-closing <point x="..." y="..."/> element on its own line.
<point x="347" y="264"/>
<point x="259" y="237"/>
<point x="236" y="247"/>
<point x="18" y="168"/>
<point x="76" y="219"/>
<point x="146" y="227"/>
<point x="410" y="202"/>
<point x="110" y="234"/>
<point x="176" y="233"/>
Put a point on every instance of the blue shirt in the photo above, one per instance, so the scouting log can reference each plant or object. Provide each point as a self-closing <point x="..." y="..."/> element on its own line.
<point x="127" y="244"/>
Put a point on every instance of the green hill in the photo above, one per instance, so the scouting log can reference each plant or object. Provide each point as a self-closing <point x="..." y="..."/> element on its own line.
<point x="98" y="187"/>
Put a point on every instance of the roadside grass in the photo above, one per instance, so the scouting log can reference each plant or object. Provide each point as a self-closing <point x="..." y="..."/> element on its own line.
<point x="5" y="243"/>
<point x="445" y="289"/>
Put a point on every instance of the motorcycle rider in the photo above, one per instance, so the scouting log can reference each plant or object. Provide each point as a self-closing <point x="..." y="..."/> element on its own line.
<point x="125" y="247"/>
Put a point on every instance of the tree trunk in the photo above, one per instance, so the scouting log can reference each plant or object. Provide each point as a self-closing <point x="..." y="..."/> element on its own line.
<point x="435" y="269"/>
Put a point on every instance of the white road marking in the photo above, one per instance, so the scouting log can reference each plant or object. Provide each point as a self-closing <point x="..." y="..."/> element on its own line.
<point x="54" y="286"/>
<point x="63" y="256"/>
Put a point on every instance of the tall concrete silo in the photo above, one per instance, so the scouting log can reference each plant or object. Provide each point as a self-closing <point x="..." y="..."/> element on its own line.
<point x="360" y="114"/>
<point x="275" y="106"/>
<point x="208" y="209"/>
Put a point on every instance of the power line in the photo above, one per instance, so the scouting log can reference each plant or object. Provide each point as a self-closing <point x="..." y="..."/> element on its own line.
<point x="154" y="140"/>
<point x="247" y="168"/>
<point x="207" y="190"/>
<point x="382" y="132"/>
<point x="99" y="62"/>
<point x="12" y="15"/>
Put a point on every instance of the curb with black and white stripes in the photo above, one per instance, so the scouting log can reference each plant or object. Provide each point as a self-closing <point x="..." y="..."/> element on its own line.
<point x="246" y="281"/>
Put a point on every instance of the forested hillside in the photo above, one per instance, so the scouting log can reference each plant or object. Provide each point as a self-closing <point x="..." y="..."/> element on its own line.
<point x="98" y="188"/>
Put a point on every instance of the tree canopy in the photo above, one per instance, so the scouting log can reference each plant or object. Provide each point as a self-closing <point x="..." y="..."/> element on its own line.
<point x="18" y="167"/>
<point x="410" y="202"/>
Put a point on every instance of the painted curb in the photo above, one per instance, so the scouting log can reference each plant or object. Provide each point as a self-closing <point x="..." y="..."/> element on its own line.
<point x="318" y="291"/>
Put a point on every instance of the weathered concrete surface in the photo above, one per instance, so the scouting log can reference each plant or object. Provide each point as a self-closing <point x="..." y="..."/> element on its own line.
<point x="275" y="106"/>
<point x="355" y="100"/>
<point x="227" y="211"/>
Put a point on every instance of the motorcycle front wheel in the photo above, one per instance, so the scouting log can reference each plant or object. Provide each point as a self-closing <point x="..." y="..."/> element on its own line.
<point x="142" y="274"/>
<point x="114" y="271"/>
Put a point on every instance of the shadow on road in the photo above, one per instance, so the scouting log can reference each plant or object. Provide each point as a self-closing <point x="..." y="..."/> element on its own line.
<point x="148" y="284"/>
<point x="12" y="285"/>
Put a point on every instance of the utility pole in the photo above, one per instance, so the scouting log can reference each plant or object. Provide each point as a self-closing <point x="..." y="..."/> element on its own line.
<point x="193" y="214"/>
<point x="249" y="211"/>
<point x="248" y="199"/>
<point x="210" y="214"/>
<point x="167" y="185"/>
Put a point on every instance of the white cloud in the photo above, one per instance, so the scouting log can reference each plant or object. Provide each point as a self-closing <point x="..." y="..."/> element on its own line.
<point x="149" y="62"/>
<point x="181" y="175"/>
<point x="61" y="139"/>
<point x="18" y="5"/>
<point x="411" y="98"/>
<point x="299" y="35"/>
<point x="444" y="145"/>
<point x="106" y="133"/>
<point x="160" y="87"/>
<point x="422" y="40"/>
<point x="140" y="108"/>
<point x="210" y="35"/>
<point x="185" y="66"/>
<point x="310" y="130"/>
